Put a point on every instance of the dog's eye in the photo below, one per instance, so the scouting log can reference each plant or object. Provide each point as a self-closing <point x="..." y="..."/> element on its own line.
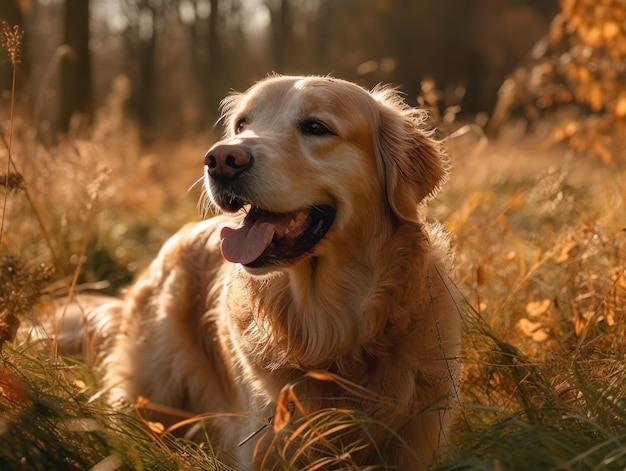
<point x="240" y="125"/>
<point x="313" y="127"/>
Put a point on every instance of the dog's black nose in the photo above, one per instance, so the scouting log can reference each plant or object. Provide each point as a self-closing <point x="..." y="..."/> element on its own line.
<point x="226" y="162"/>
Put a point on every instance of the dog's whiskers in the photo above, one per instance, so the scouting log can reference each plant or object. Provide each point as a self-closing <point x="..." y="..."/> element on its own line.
<point x="205" y="206"/>
<point x="194" y="184"/>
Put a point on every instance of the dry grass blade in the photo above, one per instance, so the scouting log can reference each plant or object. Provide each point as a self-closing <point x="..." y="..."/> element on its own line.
<point x="322" y="433"/>
<point x="11" y="41"/>
<point x="287" y="395"/>
<point x="91" y="214"/>
<point x="286" y="401"/>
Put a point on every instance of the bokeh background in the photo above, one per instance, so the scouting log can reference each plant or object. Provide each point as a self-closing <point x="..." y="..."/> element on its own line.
<point x="178" y="58"/>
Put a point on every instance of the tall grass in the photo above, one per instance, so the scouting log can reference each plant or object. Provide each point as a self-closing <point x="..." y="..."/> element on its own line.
<point x="49" y="420"/>
<point x="57" y="228"/>
<point x="541" y="257"/>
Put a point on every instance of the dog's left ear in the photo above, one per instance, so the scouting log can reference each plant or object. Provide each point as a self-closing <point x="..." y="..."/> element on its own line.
<point x="415" y="165"/>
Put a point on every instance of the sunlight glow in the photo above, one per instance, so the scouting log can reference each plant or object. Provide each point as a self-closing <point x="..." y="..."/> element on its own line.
<point x="187" y="12"/>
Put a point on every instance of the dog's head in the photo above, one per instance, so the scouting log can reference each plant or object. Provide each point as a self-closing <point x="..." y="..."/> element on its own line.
<point x="309" y="157"/>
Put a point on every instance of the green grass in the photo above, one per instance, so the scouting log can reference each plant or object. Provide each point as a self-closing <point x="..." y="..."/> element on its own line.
<point x="50" y="419"/>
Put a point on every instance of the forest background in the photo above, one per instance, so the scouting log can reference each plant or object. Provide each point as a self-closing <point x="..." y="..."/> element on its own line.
<point x="182" y="56"/>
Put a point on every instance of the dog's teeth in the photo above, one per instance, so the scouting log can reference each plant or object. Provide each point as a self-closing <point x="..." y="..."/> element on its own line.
<point x="290" y="226"/>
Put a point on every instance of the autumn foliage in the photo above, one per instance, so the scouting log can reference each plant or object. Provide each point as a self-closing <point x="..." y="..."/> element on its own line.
<point x="577" y="76"/>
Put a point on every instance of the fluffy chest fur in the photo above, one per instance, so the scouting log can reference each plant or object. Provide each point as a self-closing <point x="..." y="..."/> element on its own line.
<point x="356" y="326"/>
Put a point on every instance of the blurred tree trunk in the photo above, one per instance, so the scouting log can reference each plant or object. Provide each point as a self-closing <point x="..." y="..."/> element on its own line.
<point x="141" y="44"/>
<point x="11" y="13"/>
<point x="76" y="92"/>
<point x="324" y="15"/>
<point x="211" y="69"/>
<point x="215" y="47"/>
<point x="282" y="32"/>
<point x="147" y="75"/>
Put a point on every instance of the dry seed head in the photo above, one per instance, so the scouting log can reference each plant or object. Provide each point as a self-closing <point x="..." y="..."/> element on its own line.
<point x="12" y="182"/>
<point x="11" y="40"/>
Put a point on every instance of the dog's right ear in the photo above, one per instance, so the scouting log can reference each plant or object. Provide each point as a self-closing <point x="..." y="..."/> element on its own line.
<point x="414" y="164"/>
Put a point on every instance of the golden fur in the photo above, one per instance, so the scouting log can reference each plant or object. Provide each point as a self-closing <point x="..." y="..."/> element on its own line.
<point x="370" y="303"/>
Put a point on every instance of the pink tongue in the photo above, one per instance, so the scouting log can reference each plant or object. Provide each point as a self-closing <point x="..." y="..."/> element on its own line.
<point x="246" y="243"/>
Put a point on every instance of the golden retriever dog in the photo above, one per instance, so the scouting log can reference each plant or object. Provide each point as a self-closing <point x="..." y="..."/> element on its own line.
<point x="318" y="288"/>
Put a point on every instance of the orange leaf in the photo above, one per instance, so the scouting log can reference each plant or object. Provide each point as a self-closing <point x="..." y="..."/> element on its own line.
<point x="13" y="389"/>
<point x="610" y="29"/>
<point x="283" y="411"/>
<point x="580" y="322"/>
<point x="596" y="96"/>
<point x="566" y="251"/>
<point x="620" y="106"/>
<point x="533" y="330"/>
<point x="537" y="308"/>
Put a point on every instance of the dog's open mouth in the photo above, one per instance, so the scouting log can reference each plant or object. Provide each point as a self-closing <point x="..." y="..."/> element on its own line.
<point x="266" y="238"/>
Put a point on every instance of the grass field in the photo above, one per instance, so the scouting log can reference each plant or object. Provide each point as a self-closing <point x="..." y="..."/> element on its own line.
<point x="540" y="248"/>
